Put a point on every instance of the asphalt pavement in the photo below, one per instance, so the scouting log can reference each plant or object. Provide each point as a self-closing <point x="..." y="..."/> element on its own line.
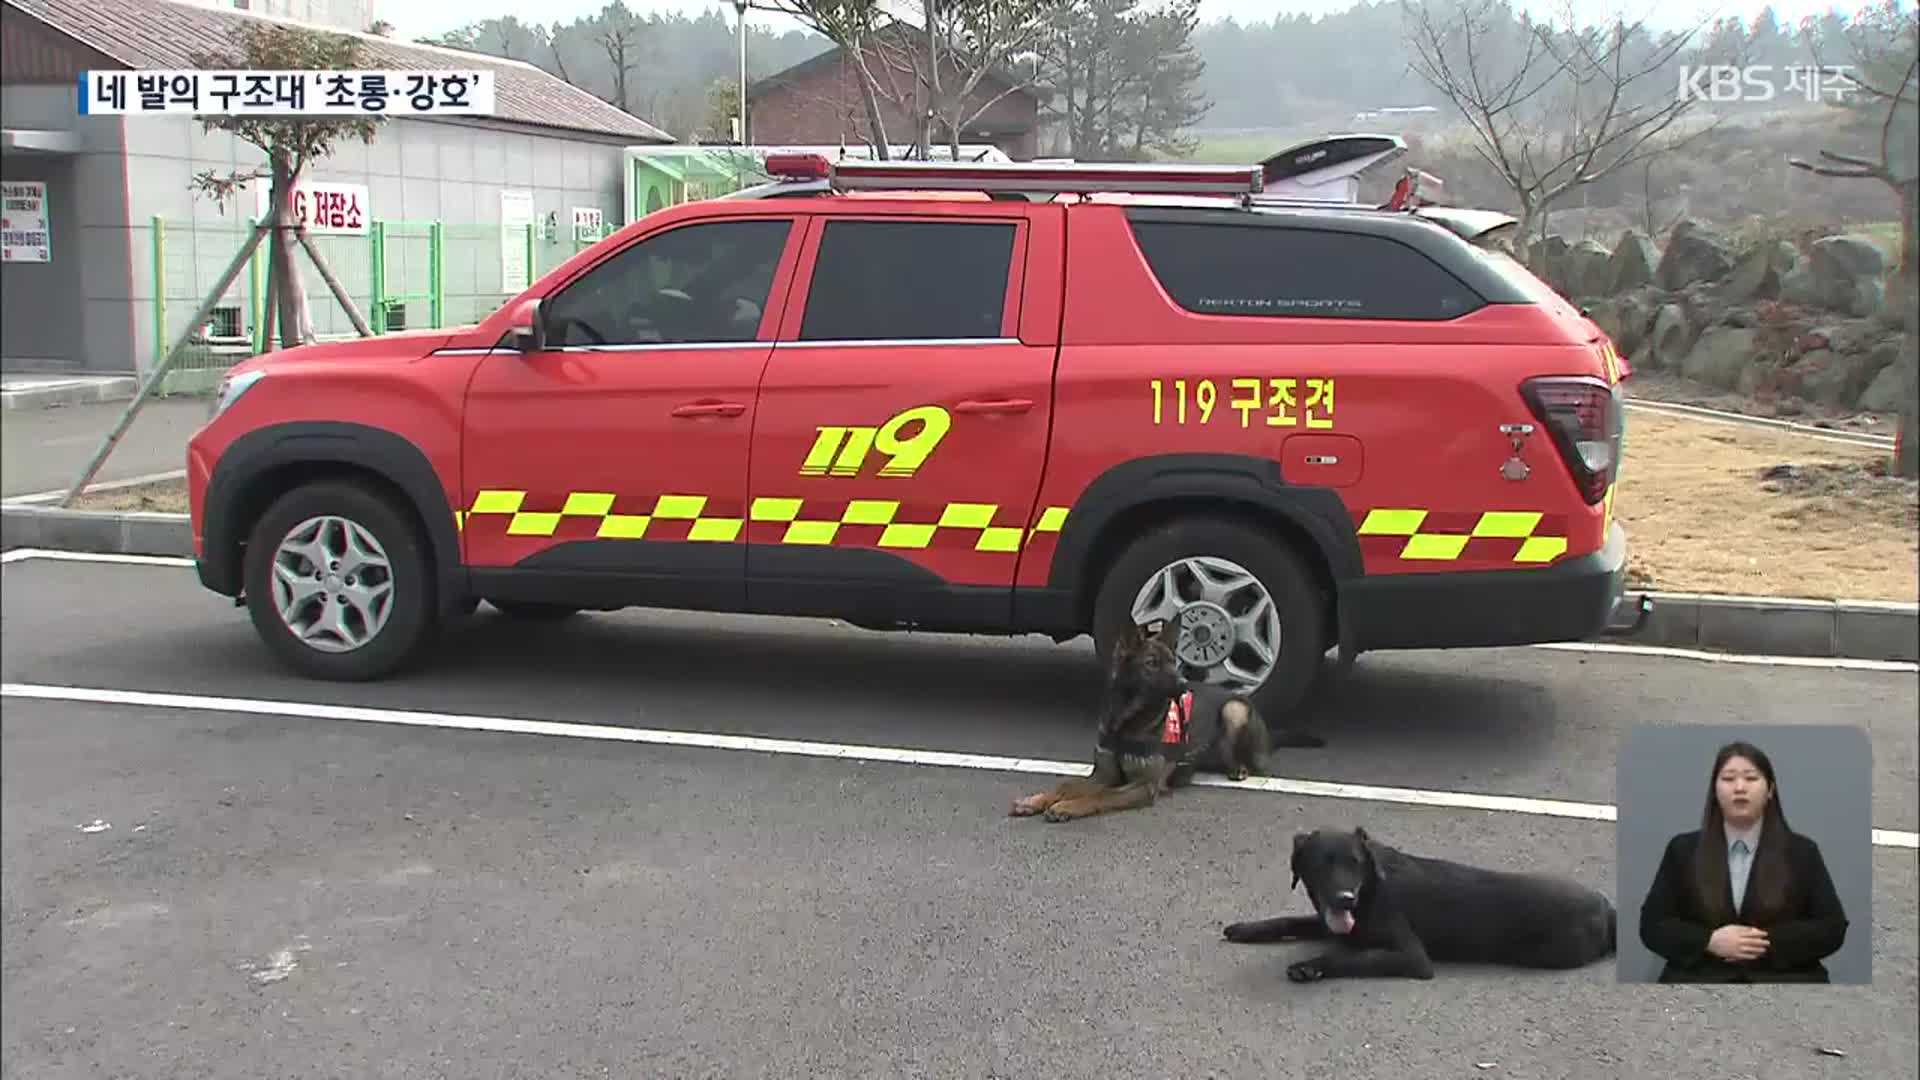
<point x="45" y="449"/>
<point x="282" y="895"/>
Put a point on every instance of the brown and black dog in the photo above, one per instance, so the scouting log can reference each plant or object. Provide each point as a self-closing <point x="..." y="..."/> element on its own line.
<point x="1156" y="731"/>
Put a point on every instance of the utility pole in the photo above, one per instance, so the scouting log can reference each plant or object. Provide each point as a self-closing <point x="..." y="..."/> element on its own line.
<point x="740" y="7"/>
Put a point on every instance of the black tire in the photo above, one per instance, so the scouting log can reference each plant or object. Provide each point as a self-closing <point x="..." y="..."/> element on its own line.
<point x="533" y="612"/>
<point x="411" y="622"/>
<point x="1268" y="558"/>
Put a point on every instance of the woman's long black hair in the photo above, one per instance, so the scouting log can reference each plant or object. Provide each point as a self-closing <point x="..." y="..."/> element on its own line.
<point x="1770" y="880"/>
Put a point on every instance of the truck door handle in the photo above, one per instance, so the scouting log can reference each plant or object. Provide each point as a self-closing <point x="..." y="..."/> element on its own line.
<point x="1002" y="405"/>
<point x="711" y="408"/>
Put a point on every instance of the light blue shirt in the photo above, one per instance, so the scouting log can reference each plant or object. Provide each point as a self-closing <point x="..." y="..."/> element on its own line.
<point x="1740" y="849"/>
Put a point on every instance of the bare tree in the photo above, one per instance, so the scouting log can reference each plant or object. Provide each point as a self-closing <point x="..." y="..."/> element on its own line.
<point x="1552" y="108"/>
<point x="1651" y="221"/>
<point x="933" y="73"/>
<point x="550" y="36"/>
<point x="966" y="43"/>
<point x="854" y="26"/>
<point x="290" y="144"/>
<point x="1886" y="76"/>
<point x="619" y="35"/>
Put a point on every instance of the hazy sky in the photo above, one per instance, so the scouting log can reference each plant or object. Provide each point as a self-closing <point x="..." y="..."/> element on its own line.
<point x="413" y="18"/>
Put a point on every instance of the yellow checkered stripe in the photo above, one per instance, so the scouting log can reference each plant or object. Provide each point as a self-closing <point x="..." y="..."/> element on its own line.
<point x="768" y="520"/>
<point x="969" y="520"/>
<point x="598" y="506"/>
<point x="1521" y="536"/>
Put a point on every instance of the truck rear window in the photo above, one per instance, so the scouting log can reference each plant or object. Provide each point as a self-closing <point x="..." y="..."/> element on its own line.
<point x="1228" y="269"/>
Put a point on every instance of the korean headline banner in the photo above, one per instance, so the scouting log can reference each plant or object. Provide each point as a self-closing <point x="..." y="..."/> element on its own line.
<point x="286" y="93"/>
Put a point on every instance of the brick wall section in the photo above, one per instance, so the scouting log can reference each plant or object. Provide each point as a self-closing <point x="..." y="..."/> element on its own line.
<point x="820" y="102"/>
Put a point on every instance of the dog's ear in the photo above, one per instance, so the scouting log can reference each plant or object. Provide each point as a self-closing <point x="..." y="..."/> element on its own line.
<point x="1299" y="848"/>
<point x="1168" y="633"/>
<point x="1375" y="871"/>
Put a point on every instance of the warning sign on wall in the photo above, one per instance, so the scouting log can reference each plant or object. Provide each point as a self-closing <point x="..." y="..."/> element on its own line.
<point x="24" y="233"/>
<point x="589" y="224"/>
<point x="516" y="216"/>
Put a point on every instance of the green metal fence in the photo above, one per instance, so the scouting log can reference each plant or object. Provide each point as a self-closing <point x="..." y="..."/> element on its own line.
<point x="401" y="275"/>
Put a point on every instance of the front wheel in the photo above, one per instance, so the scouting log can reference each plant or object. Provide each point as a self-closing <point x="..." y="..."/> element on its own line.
<point x="1253" y="616"/>
<point x="339" y="583"/>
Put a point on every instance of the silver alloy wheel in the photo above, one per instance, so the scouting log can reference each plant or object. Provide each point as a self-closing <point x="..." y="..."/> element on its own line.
<point x="332" y="583"/>
<point x="1231" y="629"/>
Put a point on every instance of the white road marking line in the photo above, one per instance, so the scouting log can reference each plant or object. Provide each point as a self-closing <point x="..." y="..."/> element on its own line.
<point x="1452" y="800"/>
<point x="19" y="554"/>
<point x="1866" y="439"/>
<point x="108" y="485"/>
<point x="1825" y="662"/>
<point x="1830" y="662"/>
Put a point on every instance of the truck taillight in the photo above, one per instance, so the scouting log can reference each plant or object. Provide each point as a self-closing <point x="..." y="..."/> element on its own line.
<point x="1579" y="411"/>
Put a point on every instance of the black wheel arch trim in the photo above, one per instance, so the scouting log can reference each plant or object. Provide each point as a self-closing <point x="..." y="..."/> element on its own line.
<point x="308" y="443"/>
<point x="1220" y="480"/>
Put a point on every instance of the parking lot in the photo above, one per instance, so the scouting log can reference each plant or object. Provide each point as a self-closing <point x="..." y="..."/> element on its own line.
<point x="411" y="879"/>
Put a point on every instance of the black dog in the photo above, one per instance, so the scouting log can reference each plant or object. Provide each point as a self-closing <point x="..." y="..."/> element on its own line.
<point x="1394" y="914"/>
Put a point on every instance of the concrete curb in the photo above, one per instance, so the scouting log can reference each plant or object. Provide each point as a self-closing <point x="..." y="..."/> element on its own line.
<point x="1768" y="626"/>
<point x="95" y="531"/>
<point x="80" y="391"/>
<point x="1780" y="626"/>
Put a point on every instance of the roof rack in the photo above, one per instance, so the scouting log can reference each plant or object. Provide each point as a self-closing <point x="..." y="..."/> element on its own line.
<point x="1018" y="178"/>
<point x="1322" y="172"/>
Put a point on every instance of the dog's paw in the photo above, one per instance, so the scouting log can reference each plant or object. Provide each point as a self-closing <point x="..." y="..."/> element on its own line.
<point x="1307" y="971"/>
<point x="1063" y="811"/>
<point x="1028" y="806"/>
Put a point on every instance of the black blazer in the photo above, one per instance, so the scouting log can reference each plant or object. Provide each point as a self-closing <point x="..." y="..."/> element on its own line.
<point x="1812" y="928"/>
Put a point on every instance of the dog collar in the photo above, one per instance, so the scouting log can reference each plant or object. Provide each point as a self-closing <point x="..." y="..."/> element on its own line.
<point x="1173" y="733"/>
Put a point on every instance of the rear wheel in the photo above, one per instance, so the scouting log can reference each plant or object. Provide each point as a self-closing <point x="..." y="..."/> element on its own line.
<point x="339" y="583"/>
<point x="1253" y="617"/>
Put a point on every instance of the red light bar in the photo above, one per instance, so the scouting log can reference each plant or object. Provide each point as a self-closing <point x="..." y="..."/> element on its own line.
<point x="1027" y="178"/>
<point x="798" y="166"/>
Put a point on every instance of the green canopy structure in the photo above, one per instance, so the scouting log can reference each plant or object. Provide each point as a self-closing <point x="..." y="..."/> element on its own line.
<point x="661" y="176"/>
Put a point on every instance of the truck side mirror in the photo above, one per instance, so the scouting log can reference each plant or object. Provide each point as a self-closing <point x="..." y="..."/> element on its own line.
<point x="528" y="330"/>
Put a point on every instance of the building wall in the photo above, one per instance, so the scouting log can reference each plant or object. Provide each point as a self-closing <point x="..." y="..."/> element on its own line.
<point x="416" y="172"/>
<point x="71" y="313"/>
<point x="35" y="298"/>
<point x="823" y="105"/>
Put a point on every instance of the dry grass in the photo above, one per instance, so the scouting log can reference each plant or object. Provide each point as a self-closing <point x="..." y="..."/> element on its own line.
<point x="1701" y="512"/>
<point x="163" y="497"/>
<point x="1703" y="515"/>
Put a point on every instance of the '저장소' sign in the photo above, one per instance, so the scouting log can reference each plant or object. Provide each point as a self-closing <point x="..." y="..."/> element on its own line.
<point x="286" y="93"/>
<point x="321" y="206"/>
